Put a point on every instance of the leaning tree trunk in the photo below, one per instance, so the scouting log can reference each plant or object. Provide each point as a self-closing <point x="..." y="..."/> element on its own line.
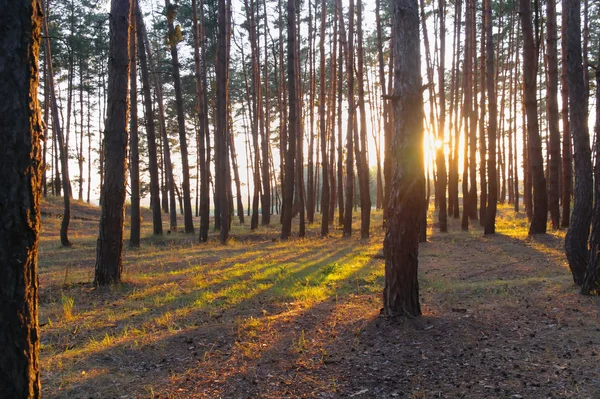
<point x="576" y="240"/>
<point x="21" y="171"/>
<point x="401" y="243"/>
<point x="109" y="262"/>
<point x="536" y="160"/>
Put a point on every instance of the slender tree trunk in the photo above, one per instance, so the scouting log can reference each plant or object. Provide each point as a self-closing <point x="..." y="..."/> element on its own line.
<point x="440" y="158"/>
<point x="185" y="168"/>
<point x="266" y="137"/>
<point x="109" y="262"/>
<point x="150" y="128"/>
<point x="490" y="221"/>
<point x="361" y="144"/>
<point x="552" y="113"/>
<point x="567" y="149"/>
<point x="401" y="243"/>
<point x="166" y="151"/>
<point x="222" y="178"/>
<point x="340" y="149"/>
<point x="21" y="171"/>
<point x="483" y="182"/>
<point x="348" y="46"/>
<point x="200" y="70"/>
<point x="288" y="198"/>
<point x="236" y="179"/>
<point x="57" y="131"/>
<point x="310" y="169"/>
<point x="540" y="197"/>
<point x="576" y="240"/>
<point x="134" y="167"/>
<point x="323" y="126"/>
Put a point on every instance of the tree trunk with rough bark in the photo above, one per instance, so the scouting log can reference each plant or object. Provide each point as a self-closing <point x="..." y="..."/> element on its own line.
<point x="401" y="243"/>
<point x="576" y="240"/>
<point x="150" y="128"/>
<point x="173" y="39"/>
<point x="290" y="156"/>
<point x="536" y="160"/>
<point x="134" y="166"/>
<point x="109" y="261"/>
<point x="21" y="171"/>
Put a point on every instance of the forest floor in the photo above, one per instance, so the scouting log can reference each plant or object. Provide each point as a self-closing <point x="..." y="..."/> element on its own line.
<point x="260" y="318"/>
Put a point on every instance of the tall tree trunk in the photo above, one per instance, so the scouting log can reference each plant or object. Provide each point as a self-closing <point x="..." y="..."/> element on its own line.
<point x="222" y="132"/>
<point x="166" y="150"/>
<point x="591" y="283"/>
<point x="288" y="198"/>
<point x="552" y="113"/>
<point x="310" y="168"/>
<point x="109" y="262"/>
<point x="266" y="137"/>
<point x="323" y="126"/>
<point x="490" y="221"/>
<point x="134" y="166"/>
<point x="21" y="171"/>
<point x="401" y="243"/>
<point x="467" y="111"/>
<point x="482" y="139"/>
<point x="185" y="168"/>
<point x="567" y="148"/>
<point x="340" y="149"/>
<point x="200" y="70"/>
<point x="538" y="180"/>
<point x="440" y="158"/>
<point x="57" y="131"/>
<point x="348" y="45"/>
<point x="576" y="240"/>
<point x="256" y="109"/>
<point x="150" y="128"/>
<point x="361" y="144"/>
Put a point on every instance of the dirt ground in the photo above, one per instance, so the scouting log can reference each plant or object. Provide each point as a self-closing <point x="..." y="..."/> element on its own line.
<point x="501" y="319"/>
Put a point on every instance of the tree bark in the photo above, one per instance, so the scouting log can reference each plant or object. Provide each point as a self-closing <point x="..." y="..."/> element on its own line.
<point x="552" y="113"/>
<point x="323" y="126"/>
<point x="57" y="131"/>
<point x="490" y="214"/>
<point x="591" y="282"/>
<point x="401" y="243"/>
<point x="440" y="158"/>
<point x="150" y="128"/>
<point x="361" y="144"/>
<point x="222" y="177"/>
<point x="21" y="170"/>
<point x="185" y="168"/>
<point x="576" y="240"/>
<point x="200" y="70"/>
<point x="567" y="148"/>
<point x="134" y="167"/>
<point x="109" y="261"/>
<point x="288" y="198"/>
<point x="538" y="180"/>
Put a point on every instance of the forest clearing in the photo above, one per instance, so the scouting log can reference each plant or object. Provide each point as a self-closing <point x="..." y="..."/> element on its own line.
<point x="264" y="318"/>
